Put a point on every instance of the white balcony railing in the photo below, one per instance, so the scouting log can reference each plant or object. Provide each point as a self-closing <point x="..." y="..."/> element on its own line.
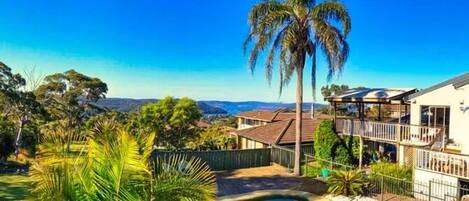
<point x="392" y="132"/>
<point x="440" y="162"/>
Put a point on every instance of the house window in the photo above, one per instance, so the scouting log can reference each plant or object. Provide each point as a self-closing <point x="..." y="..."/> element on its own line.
<point x="436" y="116"/>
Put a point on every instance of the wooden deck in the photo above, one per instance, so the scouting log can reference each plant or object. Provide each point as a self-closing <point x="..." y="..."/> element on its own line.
<point x="389" y="132"/>
<point x="264" y="178"/>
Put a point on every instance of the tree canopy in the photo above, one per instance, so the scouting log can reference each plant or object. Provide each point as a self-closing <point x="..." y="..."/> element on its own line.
<point x="68" y="95"/>
<point x="174" y="121"/>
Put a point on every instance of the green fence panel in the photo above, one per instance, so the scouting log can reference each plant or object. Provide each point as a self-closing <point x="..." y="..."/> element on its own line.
<point x="226" y="159"/>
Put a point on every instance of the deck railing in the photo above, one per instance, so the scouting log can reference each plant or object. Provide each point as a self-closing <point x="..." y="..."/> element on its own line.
<point x="445" y="163"/>
<point x="392" y="132"/>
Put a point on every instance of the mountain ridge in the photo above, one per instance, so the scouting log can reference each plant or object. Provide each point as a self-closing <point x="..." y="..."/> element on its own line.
<point x="207" y="106"/>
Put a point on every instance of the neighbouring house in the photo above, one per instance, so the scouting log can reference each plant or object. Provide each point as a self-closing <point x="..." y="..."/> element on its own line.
<point x="263" y="128"/>
<point x="262" y="117"/>
<point x="281" y="133"/>
<point x="434" y="140"/>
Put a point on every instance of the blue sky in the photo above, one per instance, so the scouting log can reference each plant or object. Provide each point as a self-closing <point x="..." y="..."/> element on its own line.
<point x="151" y="49"/>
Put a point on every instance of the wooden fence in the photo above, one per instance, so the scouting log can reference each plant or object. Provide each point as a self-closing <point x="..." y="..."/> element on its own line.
<point x="227" y="159"/>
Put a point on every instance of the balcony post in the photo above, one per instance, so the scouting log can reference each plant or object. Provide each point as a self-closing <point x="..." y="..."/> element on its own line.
<point x="398" y="136"/>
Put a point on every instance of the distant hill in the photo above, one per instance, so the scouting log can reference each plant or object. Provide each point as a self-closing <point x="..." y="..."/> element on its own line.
<point x="129" y="105"/>
<point x="207" y="107"/>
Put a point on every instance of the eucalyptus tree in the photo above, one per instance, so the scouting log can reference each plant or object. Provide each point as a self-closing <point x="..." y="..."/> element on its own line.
<point x="174" y="121"/>
<point x="293" y="31"/>
<point x="17" y="104"/>
<point x="70" y="96"/>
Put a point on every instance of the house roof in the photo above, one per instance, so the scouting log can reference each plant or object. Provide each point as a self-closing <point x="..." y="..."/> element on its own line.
<point x="372" y="95"/>
<point x="457" y="82"/>
<point x="270" y="116"/>
<point x="280" y="132"/>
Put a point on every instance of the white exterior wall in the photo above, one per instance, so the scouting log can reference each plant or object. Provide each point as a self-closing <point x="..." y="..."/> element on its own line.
<point x="243" y="123"/>
<point x="438" y="191"/>
<point x="447" y="96"/>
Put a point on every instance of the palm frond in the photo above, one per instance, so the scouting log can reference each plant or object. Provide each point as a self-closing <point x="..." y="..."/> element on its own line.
<point x="331" y="10"/>
<point x="180" y="178"/>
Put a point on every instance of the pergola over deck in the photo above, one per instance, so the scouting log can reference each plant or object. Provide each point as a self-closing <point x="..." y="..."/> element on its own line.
<point x="395" y="133"/>
<point x="378" y="96"/>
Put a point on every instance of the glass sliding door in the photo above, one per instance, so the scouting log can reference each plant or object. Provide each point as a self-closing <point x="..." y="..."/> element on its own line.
<point x="436" y="116"/>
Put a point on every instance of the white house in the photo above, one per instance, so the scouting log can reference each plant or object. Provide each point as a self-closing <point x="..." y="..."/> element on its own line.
<point x="444" y="105"/>
<point x="435" y="142"/>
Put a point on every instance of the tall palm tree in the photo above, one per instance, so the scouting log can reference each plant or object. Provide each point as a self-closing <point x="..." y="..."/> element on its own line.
<point x="293" y="30"/>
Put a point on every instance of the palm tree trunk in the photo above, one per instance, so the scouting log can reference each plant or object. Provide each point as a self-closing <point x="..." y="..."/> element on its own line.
<point x="299" y="120"/>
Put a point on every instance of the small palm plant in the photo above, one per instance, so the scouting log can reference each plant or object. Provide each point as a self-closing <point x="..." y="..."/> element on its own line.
<point x="115" y="165"/>
<point x="348" y="183"/>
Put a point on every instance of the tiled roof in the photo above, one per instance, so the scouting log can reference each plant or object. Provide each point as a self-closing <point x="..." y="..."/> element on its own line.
<point x="270" y="116"/>
<point x="280" y="132"/>
<point x="263" y="115"/>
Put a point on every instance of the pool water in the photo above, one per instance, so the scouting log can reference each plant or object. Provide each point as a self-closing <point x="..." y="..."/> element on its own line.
<point x="279" y="198"/>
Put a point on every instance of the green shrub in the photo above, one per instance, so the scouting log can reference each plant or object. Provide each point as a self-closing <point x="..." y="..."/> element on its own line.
<point x="397" y="179"/>
<point x="329" y="146"/>
<point x="393" y="170"/>
<point x="312" y="169"/>
<point x="347" y="183"/>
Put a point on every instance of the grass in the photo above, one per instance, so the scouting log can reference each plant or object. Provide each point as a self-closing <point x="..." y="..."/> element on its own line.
<point x="14" y="186"/>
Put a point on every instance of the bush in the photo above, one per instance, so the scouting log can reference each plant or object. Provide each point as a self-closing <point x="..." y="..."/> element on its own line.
<point x="7" y="138"/>
<point x="347" y="183"/>
<point x="329" y="146"/>
<point x="393" y="170"/>
<point x="397" y="179"/>
<point x="312" y="169"/>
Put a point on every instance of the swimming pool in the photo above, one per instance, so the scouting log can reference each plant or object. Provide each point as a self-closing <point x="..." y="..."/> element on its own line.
<point x="279" y="198"/>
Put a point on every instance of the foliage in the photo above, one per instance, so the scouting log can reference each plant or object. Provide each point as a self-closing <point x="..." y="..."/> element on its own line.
<point x="347" y="183"/>
<point x="179" y="178"/>
<point x="19" y="106"/>
<point x="312" y="169"/>
<point x="393" y="170"/>
<point x="173" y="120"/>
<point x="14" y="186"/>
<point x="7" y="138"/>
<point x="69" y="96"/>
<point x="374" y="111"/>
<point x="334" y="89"/>
<point x="113" y="165"/>
<point x="292" y="31"/>
<point x="212" y="138"/>
<point x="115" y="116"/>
<point x="329" y="146"/>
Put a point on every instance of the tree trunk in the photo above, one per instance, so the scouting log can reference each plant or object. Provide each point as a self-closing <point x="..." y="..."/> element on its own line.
<point x="313" y="81"/>
<point x="18" y="137"/>
<point x="299" y="119"/>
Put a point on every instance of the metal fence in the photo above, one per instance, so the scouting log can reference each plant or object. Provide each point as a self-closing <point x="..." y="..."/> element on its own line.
<point x="227" y="159"/>
<point x="383" y="187"/>
<point x="305" y="148"/>
<point x="283" y="156"/>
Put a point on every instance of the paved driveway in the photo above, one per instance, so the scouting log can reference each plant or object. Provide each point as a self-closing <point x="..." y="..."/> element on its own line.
<point x="264" y="178"/>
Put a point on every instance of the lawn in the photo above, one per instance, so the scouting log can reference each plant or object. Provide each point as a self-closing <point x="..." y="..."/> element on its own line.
<point x="14" y="186"/>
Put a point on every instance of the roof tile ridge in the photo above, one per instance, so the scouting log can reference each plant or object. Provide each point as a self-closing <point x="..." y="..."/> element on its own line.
<point x="284" y="130"/>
